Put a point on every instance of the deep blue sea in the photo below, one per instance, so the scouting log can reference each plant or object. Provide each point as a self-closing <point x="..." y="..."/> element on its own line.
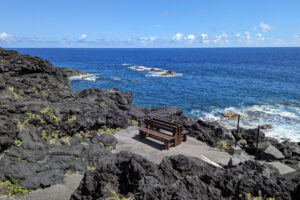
<point x="262" y="84"/>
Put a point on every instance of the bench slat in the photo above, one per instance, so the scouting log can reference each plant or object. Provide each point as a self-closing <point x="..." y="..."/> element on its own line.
<point x="157" y="134"/>
<point x="155" y="125"/>
<point x="165" y="122"/>
<point x="168" y="124"/>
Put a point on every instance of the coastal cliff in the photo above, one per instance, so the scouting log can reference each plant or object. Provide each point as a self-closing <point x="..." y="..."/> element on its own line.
<point x="48" y="131"/>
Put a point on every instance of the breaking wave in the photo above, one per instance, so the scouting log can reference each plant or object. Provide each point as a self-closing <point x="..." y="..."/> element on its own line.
<point x="156" y="72"/>
<point x="85" y="77"/>
<point x="284" y="118"/>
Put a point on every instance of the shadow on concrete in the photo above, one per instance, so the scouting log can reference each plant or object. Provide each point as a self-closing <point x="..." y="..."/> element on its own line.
<point x="149" y="142"/>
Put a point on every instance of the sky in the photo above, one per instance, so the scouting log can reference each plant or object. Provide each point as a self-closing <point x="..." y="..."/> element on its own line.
<point x="149" y="23"/>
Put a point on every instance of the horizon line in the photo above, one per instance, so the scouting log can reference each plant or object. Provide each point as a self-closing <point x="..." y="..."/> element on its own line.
<point x="236" y="47"/>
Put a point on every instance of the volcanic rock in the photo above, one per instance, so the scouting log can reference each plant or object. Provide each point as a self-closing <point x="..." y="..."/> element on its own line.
<point x="230" y="115"/>
<point x="266" y="126"/>
<point x="181" y="177"/>
<point x="168" y="73"/>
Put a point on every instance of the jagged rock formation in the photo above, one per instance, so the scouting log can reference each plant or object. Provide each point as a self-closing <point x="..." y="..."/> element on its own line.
<point x="181" y="177"/>
<point x="47" y="130"/>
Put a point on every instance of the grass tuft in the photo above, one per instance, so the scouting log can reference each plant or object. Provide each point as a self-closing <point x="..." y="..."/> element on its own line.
<point x="8" y="188"/>
<point x="223" y="145"/>
<point x="18" y="143"/>
<point x="116" y="196"/>
<point x="71" y="119"/>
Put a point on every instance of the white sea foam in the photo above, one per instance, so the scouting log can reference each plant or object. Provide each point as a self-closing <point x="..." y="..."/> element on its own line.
<point x="116" y="78"/>
<point x="140" y="68"/>
<point x="85" y="77"/>
<point x="284" y="119"/>
<point x="125" y="64"/>
<point x="160" y="74"/>
<point x="155" y="72"/>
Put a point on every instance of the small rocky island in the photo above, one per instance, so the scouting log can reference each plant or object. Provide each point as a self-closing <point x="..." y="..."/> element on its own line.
<point x="47" y="132"/>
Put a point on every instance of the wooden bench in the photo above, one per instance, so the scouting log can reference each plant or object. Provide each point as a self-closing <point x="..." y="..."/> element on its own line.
<point x="171" y="134"/>
<point x="182" y="134"/>
<point x="158" y="130"/>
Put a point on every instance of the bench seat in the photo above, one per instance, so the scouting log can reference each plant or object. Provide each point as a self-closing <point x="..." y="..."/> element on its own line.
<point x="167" y="139"/>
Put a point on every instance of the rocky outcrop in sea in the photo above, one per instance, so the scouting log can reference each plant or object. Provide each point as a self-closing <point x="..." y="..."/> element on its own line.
<point x="47" y="131"/>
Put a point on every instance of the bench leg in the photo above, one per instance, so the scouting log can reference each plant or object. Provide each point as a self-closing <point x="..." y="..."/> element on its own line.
<point x="167" y="145"/>
<point x="184" y="138"/>
<point x="142" y="134"/>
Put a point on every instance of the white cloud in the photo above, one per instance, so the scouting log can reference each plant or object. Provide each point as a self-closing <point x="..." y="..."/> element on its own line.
<point x="238" y="35"/>
<point x="204" y="37"/>
<point x="260" y="37"/>
<point x="5" y="37"/>
<point x="143" y="38"/>
<point x="82" y="37"/>
<point x="178" y="37"/>
<point x="221" y="38"/>
<point x="190" y="37"/>
<point x="147" y="39"/>
<point x="152" y="38"/>
<point x="297" y="37"/>
<point x="254" y="28"/>
<point x="265" y="27"/>
<point x="247" y="35"/>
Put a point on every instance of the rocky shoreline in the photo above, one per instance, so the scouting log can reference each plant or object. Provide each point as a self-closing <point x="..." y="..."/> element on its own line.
<point x="48" y="131"/>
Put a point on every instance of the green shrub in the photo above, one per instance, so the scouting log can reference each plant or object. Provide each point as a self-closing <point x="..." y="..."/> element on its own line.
<point x="31" y="116"/>
<point x="116" y="196"/>
<point x="77" y="135"/>
<point x="44" y="93"/>
<point x="84" y="143"/>
<point x="33" y="88"/>
<point x="223" y="145"/>
<point x="66" y="140"/>
<point x="10" y="88"/>
<point x="108" y="131"/>
<point x="47" y="166"/>
<point x="18" y="143"/>
<point x="103" y="103"/>
<point x="71" y="119"/>
<point x="91" y="168"/>
<point x="50" y="113"/>
<point x="133" y="123"/>
<point x="54" y="136"/>
<point x="110" y="91"/>
<point x="249" y="196"/>
<point x="16" y="95"/>
<point x="109" y="148"/>
<point x="8" y="188"/>
<point x="44" y="134"/>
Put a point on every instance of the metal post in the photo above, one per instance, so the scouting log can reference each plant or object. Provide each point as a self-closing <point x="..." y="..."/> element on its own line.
<point x="237" y="130"/>
<point x="257" y="138"/>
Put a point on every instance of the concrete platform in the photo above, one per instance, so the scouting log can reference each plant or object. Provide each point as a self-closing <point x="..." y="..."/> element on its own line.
<point x="283" y="169"/>
<point x="153" y="150"/>
<point x="55" y="192"/>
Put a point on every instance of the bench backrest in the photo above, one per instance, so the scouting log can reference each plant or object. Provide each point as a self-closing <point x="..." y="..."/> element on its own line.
<point x="152" y="124"/>
<point x="160" y="124"/>
<point x="179" y="127"/>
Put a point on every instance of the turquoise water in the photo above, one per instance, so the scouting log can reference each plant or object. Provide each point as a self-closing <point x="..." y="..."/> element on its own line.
<point x="261" y="83"/>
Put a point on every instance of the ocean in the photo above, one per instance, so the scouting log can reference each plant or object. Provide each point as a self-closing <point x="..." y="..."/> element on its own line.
<point x="262" y="84"/>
